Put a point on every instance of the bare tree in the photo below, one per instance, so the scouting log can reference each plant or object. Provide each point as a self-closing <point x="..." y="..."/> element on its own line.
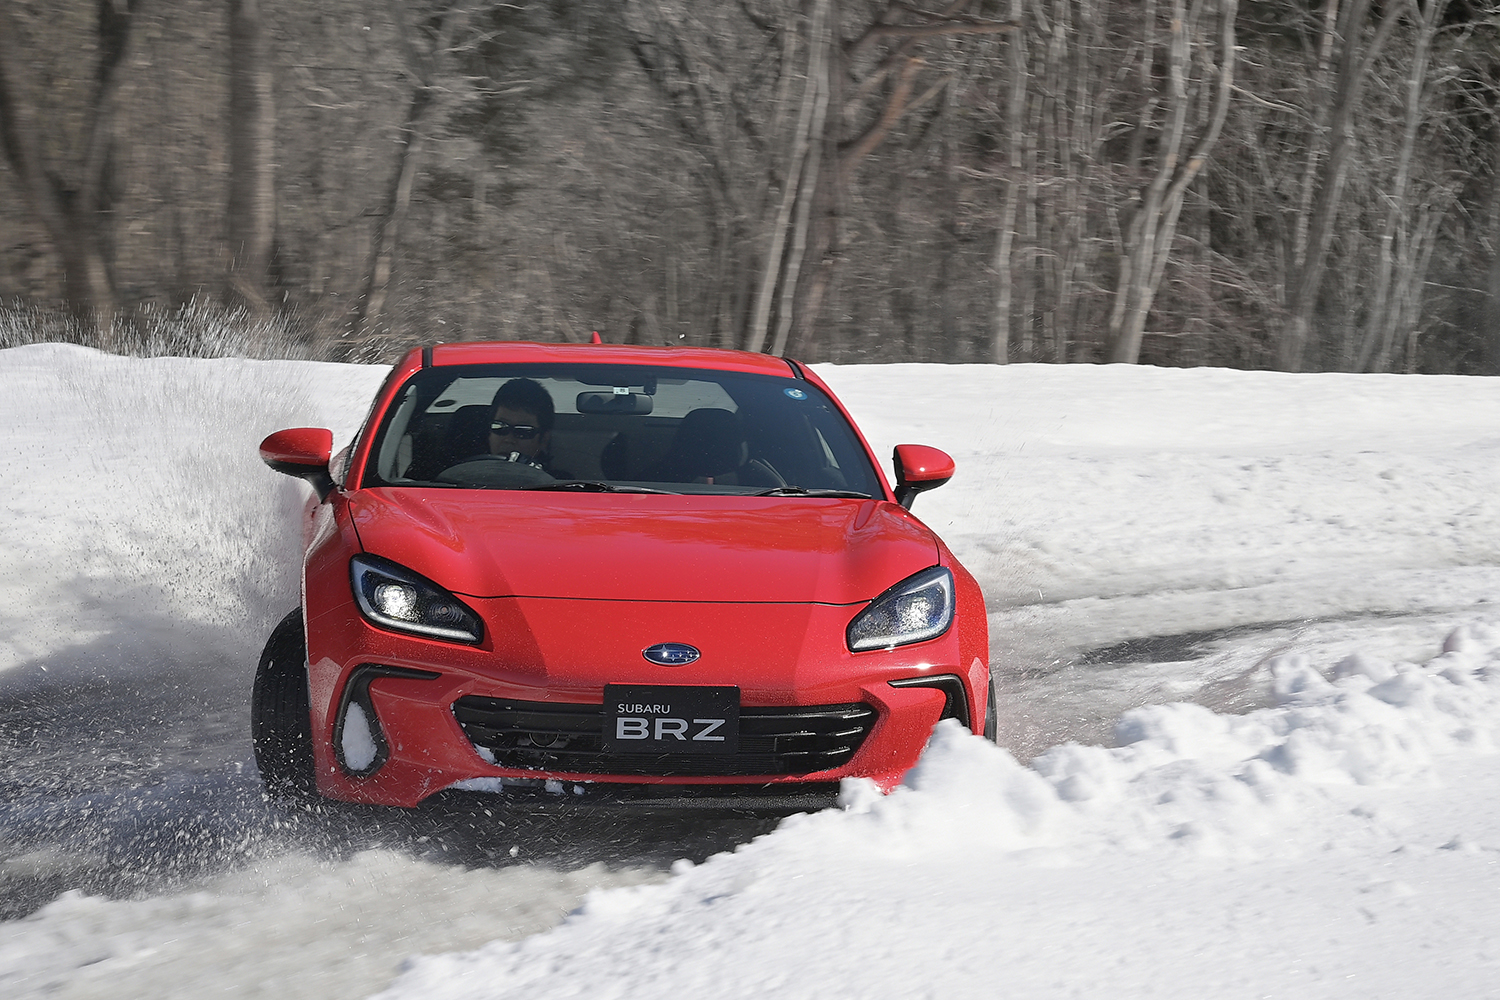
<point x="1147" y="241"/>
<point x="877" y="99"/>
<point x="1033" y="180"/>
<point x="794" y="215"/>
<point x="1019" y="76"/>
<point x="1107" y="117"/>
<point x="784" y="108"/>
<point x="251" y="213"/>
<point x="431" y="41"/>
<point x="1310" y="265"/>
<point x="70" y="199"/>
<point x="1412" y="213"/>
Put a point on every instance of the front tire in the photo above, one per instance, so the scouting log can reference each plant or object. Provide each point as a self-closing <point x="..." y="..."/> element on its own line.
<point x="280" y="715"/>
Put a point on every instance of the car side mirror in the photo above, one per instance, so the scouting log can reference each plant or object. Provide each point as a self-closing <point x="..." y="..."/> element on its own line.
<point x="302" y="452"/>
<point x="919" y="469"/>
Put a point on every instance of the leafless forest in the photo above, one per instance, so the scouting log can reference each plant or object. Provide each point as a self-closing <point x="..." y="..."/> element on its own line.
<point x="1289" y="184"/>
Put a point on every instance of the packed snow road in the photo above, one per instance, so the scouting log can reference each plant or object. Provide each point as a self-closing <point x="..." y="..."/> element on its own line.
<point x="1143" y="537"/>
<point x="145" y="790"/>
<point x="148" y="787"/>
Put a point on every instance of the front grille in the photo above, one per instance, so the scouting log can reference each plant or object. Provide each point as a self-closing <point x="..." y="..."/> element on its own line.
<point x="550" y="736"/>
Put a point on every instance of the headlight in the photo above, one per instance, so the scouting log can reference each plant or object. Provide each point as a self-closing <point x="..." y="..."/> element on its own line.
<point x="394" y="597"/>
<point x="918" y="608"/>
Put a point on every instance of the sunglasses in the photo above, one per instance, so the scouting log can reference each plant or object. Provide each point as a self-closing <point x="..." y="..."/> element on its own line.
<point x="521" y="432"/>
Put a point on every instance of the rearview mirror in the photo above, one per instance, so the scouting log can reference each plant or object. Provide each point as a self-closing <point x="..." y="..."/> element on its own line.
<point x="632" y="404"/>
<point x="919" y="469"/>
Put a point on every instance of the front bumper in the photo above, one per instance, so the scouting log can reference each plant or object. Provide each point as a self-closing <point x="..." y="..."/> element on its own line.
<point x="386" y="729"/>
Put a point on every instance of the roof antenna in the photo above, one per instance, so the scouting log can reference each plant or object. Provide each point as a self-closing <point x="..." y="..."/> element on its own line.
<point x="596" y="339"/>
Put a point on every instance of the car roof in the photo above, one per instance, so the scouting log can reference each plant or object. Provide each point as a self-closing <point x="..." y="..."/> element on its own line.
<point x="517" y="351"/>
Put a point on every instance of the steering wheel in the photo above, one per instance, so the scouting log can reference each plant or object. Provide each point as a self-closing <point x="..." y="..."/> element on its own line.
<point x="505" y="471"/>
<point x="768" y="470"/>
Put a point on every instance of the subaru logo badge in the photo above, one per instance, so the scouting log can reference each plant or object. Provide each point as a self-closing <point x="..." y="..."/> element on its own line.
<point x="671" y="654"/>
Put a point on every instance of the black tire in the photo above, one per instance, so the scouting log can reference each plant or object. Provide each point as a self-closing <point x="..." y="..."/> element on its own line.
<point x="280" y="720"/>
<point x="991" y="724"/>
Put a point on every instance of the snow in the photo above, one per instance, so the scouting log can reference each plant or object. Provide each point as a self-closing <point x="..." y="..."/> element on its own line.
<point x="358" y="741"/>
<point x="1247" y="630"/>
<point x="1305" y="850"/>
<point x="227" y="935"/>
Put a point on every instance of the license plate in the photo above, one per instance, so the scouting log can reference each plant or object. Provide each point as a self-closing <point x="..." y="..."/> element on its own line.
<point x="663" y="719"/>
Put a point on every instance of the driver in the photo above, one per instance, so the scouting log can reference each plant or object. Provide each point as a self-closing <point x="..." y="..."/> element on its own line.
<point x="521" y="421"/>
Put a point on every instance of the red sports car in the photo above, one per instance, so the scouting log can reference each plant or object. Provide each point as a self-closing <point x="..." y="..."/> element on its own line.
<point x="653" y="576"/>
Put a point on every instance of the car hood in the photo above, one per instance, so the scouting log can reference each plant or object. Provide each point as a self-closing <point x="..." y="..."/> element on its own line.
<point x="645" y="547"/>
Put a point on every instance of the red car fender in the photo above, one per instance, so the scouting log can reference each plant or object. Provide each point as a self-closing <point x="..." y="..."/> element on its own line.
<point x="973" y="636"/>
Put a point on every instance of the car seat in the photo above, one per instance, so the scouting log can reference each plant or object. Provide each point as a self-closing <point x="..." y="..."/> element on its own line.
<point x="449" y="439"/>
<point x="709" y="445"/>
<point x="614" y="460"/>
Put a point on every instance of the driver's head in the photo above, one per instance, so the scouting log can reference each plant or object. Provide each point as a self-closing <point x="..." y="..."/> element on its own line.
<point x="521" y="419"/>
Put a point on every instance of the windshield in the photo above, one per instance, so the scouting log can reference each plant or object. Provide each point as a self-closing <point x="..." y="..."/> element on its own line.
<point x="621" y="428"/>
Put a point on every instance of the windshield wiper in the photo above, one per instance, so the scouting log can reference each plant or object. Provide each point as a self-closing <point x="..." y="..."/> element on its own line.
<point x="803" y="491"/>
<point x="593" y="486"/>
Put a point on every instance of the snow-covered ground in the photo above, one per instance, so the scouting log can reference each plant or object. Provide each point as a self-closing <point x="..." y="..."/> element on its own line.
<point x="1247" y="630"/>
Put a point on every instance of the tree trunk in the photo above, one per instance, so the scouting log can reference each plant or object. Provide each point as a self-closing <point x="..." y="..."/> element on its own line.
<point x="252" y="152"/>
<point x="1154" y="225"/>
<point x="813" y="217"/>
<point x="1320" y="94"/>
<point x="802" y="140"/>
<point x="1307" y="279"/>
<point x="430" y="70"/>
<point x="830" y="170"/>
<point x="71" y="217"/>
<point x="1399" y="242"/>
<point x="1490" y="315"/>
<point x="388" y="230"/>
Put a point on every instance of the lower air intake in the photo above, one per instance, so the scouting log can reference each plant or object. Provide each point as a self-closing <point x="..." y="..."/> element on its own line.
<point x="550" y="736"/>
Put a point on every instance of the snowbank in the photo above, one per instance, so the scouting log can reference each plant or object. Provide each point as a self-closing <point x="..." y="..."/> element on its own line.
<point x="1205" y="856"/>
<point x="138" y="522"/>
